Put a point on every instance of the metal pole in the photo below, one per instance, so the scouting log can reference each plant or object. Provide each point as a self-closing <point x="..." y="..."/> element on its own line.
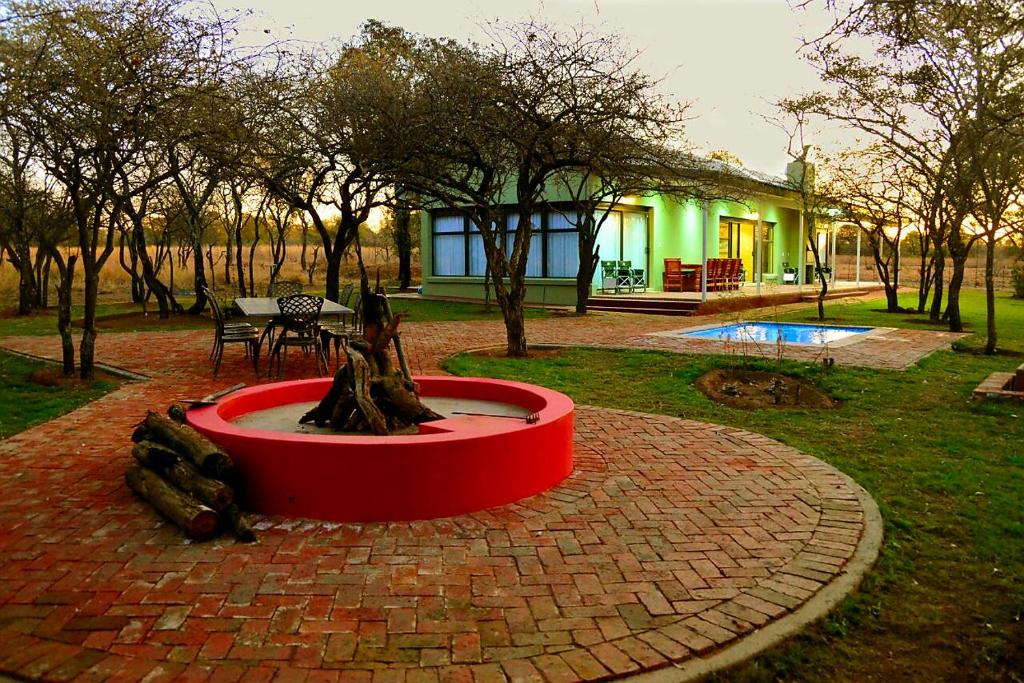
<point x="704" y="252"/>
<point x="859" y="231"/>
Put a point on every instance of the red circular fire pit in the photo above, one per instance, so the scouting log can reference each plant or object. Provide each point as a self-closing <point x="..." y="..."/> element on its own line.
<point x="453" y="466"/>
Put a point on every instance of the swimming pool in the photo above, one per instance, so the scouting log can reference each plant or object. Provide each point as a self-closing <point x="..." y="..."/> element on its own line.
<point x="769" y="332"/>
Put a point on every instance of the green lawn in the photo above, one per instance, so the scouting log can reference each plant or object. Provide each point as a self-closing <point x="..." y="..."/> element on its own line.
<point x="946" y="599"/>
<point x="424" y="310"/>
<point x="1009" y="321"/>
<point x="111" y="317"/>
<point x="24" y="402"/>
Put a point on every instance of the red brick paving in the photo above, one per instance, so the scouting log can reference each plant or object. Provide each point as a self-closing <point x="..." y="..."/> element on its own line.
<point x="671" y="538"/>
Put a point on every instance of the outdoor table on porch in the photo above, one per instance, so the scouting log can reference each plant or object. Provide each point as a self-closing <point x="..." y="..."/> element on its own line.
<point x="266" y="307"/>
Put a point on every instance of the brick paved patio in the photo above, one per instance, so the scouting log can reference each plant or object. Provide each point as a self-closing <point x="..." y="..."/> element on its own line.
<point x="671" y="539"/>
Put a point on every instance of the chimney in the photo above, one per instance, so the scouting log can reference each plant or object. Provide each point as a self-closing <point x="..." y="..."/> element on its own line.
<point x="795" y="171"/>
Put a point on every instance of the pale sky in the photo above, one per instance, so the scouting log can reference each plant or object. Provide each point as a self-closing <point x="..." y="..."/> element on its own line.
<point x="729" y="58"/>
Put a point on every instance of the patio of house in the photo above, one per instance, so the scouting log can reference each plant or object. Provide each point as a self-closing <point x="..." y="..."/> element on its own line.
<point x="745" y="297"/>
<point x="674" y="546"/>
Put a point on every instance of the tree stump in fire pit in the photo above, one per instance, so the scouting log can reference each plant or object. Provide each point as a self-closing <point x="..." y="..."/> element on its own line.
<point x="369" y="394"/>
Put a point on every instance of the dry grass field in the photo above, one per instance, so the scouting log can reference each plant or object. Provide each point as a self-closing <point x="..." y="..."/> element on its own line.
<point x="115" y="283"/>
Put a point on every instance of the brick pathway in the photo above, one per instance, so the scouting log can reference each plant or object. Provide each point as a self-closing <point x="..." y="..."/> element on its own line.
<point x="671" y="538"/>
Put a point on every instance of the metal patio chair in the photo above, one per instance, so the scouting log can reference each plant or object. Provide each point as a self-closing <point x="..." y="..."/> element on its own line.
<point x="232" y="333"/>
<point x="298" y="322"/>
<point x="338" y="332"/>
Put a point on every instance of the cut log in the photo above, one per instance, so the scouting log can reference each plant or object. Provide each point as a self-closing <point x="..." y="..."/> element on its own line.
<point x="323" y="410"/>
<point x="184" y="475"/>
<point x="361" y="387"/>
<point x="176" y="412"/>
<point x="238" y="522"/>
<point x="195" y="519"/>
<point x="140" y="433"/>
<point x="155" y="456"/>
<point x="207" y="456"/>
<point x="403" y="364"/>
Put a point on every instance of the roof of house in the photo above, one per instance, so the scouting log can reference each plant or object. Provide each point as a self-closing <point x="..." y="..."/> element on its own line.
<point x="767" y="180"/>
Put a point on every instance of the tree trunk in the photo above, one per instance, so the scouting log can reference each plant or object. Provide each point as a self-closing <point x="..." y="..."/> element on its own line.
<point x="67" y="342"/>
<point x="27" y="294"/>
<point x="990" y="292"/>
<point x="403" y="245"/>
<point x="87" y="347"/>
<point x="127" y="244"/>
<point x="239" y="267"/>
<point x="511" y="304"/>
<point x="196" y="520"/>
<point x="939" y="274"/>
<point x="199" y="272"/>
<point x="926" y="271"/>
<point x="227" y="260"/>
<point x="585" y="275"/>
<point x="164" y="297"/>
<point x="332" y="289"/>
<point x="821" y="294"/>
<point x="305" y="240"/>
<point x="952" y="313"/>
<point x="43" y="280"/>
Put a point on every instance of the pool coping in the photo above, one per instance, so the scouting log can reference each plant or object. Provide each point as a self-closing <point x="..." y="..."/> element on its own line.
<point x="845" y="341"/>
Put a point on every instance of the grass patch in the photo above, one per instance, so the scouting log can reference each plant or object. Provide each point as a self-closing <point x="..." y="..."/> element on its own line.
<point x="31" y="392"/>
<point x="1009" y="320"/>
<point x="128" y="317"/>
<point x="946" y="600"/>
<point x="428" y="310"/>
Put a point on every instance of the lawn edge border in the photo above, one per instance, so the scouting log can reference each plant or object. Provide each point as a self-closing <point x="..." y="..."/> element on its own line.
<point x="109" y="369"/>
<point x="784" y="628"/>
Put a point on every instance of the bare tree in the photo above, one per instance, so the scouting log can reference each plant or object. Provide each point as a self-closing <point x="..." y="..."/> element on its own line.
<point x="999" y="168"/>
<point x="813" y="205"/>
<point x="931" y="93"/>
<point x="876" y="192"/>
<point x="318" y="136"/>
<point x="97" y="85"/>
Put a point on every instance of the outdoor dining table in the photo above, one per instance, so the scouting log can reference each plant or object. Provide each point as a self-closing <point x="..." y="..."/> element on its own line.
<point x="266" y="307"/>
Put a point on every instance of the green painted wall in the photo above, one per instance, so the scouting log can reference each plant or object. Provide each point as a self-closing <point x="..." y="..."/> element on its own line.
<point x="674" y="231"/>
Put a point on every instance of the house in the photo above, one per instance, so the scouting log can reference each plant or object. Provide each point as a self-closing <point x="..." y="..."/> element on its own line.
<point x="644" y="230"/>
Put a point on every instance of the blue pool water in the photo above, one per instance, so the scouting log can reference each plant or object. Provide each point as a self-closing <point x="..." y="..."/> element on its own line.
<point x="791" y="333"/>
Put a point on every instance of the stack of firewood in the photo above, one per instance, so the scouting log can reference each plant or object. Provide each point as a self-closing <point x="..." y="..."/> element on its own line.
<point x="186" y="477"/>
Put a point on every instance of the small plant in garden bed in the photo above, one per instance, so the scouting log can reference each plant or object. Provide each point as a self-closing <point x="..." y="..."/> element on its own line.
<point x="754" y="389"/>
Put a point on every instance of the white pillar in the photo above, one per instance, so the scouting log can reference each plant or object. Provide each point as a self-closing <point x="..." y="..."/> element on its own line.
<point x="801" y="254"/>
<point x="834" y="232"/>
<point x="758" y="239"/>
<point x="859" y="231"/>
<point x="704" y="252"/>
<point x="899" y="258"/>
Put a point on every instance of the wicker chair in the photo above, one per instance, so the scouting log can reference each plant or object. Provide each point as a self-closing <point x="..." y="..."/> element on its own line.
<point x="300" y="315"/>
